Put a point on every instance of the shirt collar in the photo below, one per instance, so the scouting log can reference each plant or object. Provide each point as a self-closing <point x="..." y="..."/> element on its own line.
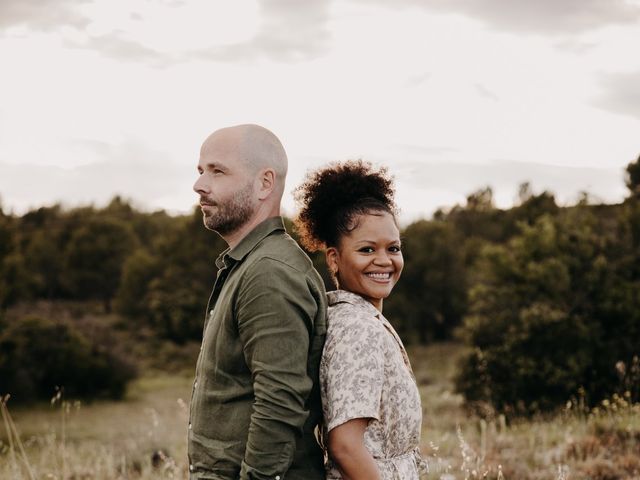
<point x="343" y="296"/>
<point x="249" y="242"/>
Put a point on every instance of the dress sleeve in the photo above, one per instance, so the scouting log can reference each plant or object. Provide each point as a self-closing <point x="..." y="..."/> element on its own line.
<point x="352" y="367"/>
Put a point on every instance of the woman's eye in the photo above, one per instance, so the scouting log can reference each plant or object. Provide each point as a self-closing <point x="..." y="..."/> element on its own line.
<point x="394" y="249"/>
<point x="366" y="250"/>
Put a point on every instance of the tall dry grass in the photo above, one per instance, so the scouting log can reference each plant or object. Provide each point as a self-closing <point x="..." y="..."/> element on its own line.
<point x="144" y="437"/>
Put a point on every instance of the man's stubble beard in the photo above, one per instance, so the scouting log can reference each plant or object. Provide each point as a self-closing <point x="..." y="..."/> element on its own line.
<point x="232" y="214"/>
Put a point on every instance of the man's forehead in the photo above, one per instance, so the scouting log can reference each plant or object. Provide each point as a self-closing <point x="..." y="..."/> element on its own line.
<point x="221" y="142"/>
<point x="220" y="150"/>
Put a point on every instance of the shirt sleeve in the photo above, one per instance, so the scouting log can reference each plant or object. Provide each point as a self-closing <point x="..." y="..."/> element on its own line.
<point x="276" y="310"/>
<point x="352" y="368"/>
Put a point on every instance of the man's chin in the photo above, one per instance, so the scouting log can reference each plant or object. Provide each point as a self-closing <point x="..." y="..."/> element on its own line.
<point x="208" y="224"/>
<point x="219" y="228"/>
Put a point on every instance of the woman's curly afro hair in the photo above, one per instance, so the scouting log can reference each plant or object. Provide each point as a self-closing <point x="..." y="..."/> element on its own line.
<point x="332" y="198"/>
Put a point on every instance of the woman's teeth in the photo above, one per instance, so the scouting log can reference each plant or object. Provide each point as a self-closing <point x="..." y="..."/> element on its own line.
<point x="380" y="276"/>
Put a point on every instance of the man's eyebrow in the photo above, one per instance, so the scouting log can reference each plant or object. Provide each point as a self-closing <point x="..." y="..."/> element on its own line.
<point x="212" y="166"/>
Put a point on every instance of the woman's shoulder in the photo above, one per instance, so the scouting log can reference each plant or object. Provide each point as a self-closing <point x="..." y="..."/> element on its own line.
<point x="349" y="313"/>
<point x="344" y="305"/>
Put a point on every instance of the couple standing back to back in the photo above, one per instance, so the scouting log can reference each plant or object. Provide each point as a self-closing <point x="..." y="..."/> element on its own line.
<point x="279" y="356"/>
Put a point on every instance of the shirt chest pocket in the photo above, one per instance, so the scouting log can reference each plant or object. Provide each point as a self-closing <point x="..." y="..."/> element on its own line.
<point x="224" y="358"/>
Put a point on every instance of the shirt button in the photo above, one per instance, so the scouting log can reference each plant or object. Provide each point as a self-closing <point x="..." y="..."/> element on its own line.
<point x="195" y="384"/>
<point x="189" y="425"/>
<point x="191" y="468"/>
<point x="277" y="477"/>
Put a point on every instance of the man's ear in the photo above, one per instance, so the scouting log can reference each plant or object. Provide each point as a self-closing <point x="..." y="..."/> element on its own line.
<point x="266" y="183"/>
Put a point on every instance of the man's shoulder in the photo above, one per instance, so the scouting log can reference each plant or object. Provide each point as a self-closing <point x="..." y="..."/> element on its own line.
<point x="280" y="249"/>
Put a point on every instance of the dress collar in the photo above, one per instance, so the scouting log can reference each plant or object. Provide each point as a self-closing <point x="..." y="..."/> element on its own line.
<point x="343" y="296"/>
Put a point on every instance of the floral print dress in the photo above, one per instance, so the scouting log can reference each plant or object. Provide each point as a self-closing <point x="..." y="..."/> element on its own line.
<point x="365" y="373"/>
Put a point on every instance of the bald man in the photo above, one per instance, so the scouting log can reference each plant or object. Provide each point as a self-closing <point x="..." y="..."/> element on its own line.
<point x="255" y="400"/>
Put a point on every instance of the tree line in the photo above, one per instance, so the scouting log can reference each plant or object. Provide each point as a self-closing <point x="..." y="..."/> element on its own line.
<point x="546" y="297"/>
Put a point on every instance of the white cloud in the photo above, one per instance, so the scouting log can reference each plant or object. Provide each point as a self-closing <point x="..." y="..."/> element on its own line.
<point x="621" y="94"/>
<point x="557" y="17"/>
<point x="130" y="170"/>
<point x="334" y="80"/>
<point x="166" y="33"/>
<point x="42" y="14"/>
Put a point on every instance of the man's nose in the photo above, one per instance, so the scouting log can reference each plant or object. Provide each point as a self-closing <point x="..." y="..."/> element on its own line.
<point x="199" y="186"/>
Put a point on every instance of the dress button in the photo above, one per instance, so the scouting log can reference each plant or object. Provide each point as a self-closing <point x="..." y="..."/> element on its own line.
<point x="195" y="384"/>
<point x="191" y="468"/>
<point x="189" y="425"/>
<point x="277" y="477"/>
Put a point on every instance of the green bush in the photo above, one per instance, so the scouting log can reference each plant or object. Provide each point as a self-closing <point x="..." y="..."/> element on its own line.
<point x="551" y="314"/>
<point x="37" y="355"/>
<point x="95" y="255"/>
<point x="430" y="298"/>
<point x="178" y="280"/>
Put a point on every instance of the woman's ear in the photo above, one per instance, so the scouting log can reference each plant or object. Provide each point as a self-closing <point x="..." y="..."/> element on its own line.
<point x="332" y="256"/>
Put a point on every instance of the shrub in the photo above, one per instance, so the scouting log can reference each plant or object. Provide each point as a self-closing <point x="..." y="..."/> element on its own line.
<point x="37" y="355"/>
<point x="95" y="255"/>
<point x="549" y="316"/>
<point x="429" y="301"/>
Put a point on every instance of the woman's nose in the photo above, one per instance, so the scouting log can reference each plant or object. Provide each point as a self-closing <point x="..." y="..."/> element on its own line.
<point x="382" y="259"/>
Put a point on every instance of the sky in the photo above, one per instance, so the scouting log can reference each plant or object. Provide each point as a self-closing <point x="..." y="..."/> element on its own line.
<point x="114" y="97"/>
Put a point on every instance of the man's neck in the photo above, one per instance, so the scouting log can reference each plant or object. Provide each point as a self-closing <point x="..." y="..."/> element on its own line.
<point x="235" y="237"/>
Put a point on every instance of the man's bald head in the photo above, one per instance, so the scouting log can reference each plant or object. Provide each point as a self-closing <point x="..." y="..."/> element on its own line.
<point x="257" y="148"/>
<point x="241" y="183"/>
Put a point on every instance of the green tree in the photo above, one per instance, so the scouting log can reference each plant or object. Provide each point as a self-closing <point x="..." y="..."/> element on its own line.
<point x="6" y="246"/>
<point x="44" y="264"/>
<point x="533" y="321"/>
<point x="531" y="208"/>
<point x="138" y="272"/>
<point x="146" y="226"/>
<point x="633" y="177"/>
<point x="176" y="298"/>
<point x="430" y="298"/>
<point x="95" y="255"/>
<point x="14" y="280"/>
<point x="479" y="218"/>
<point x="6" y="234"/>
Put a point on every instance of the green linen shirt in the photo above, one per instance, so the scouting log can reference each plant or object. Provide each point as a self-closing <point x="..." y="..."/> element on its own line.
<point x="255" y="401"/>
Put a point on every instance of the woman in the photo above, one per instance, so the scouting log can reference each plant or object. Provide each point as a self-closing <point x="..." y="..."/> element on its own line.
<point x="371" y="404"/>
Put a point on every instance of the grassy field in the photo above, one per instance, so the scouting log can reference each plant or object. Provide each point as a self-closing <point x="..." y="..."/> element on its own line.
<point x="144" y="437"/>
